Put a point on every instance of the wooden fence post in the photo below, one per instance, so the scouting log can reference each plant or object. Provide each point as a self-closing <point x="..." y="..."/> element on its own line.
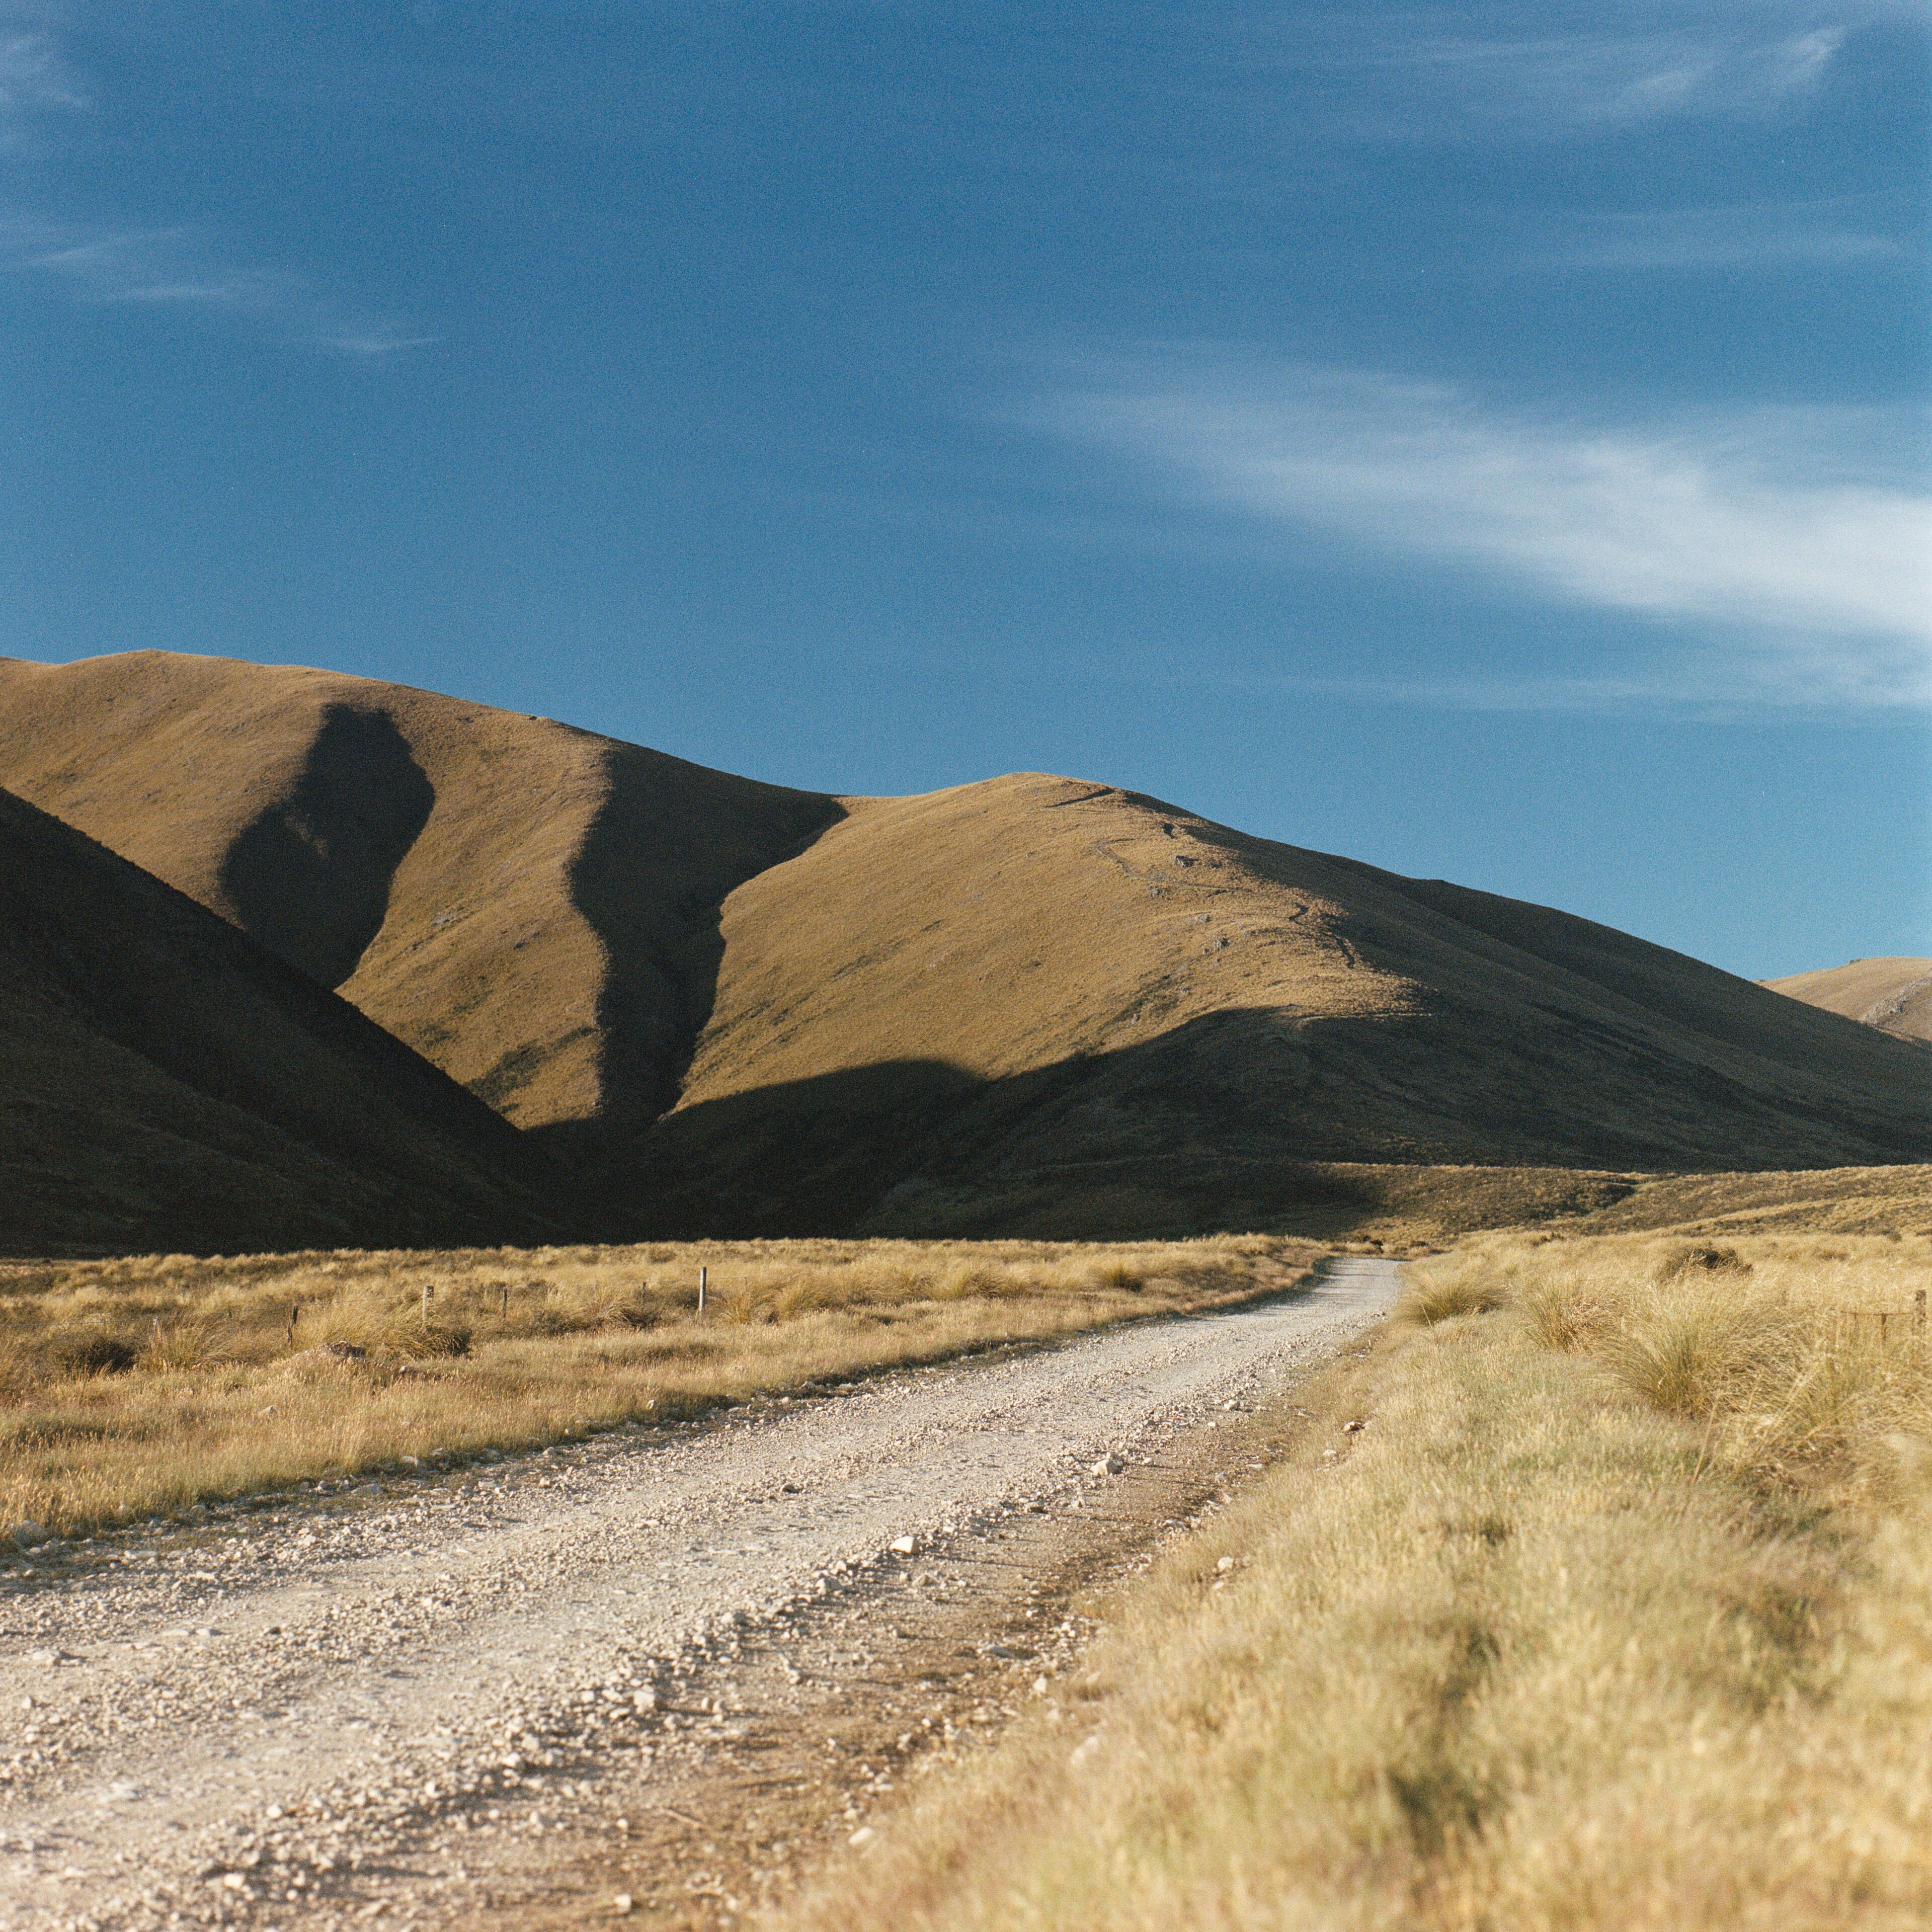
<point x="703" y="1275"/>
<point x="429" y="1292"/>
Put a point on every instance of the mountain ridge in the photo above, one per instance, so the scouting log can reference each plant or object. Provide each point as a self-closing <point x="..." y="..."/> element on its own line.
<point x="1892" y="994"/>
<point x="728" y="1006"/>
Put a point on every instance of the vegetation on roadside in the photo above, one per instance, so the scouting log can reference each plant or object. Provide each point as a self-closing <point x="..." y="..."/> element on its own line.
<point x="1597" y="1595"/>
<point x="144" y="1384"/>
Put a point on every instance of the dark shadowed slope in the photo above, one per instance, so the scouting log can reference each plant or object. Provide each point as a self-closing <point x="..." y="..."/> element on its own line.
<point x="1894" y="995"/>
<point x="166" y="1083"/>
<point x="532" y="908"/>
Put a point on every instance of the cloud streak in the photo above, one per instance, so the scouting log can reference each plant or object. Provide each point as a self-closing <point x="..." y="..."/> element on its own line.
<point x="178" y="268"/>
<point x="1433" y="72"/>
<point x="1766" y="235"/>
<point x="1785" y="535"/>
<point x="183" y="268"/>
<point x="34" y="80"/>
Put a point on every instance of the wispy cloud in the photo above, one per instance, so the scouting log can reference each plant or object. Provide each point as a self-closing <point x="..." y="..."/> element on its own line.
<point x="183" y="268"/>
<point x="1583" y="78"/>
<point x="1766" y="235"/>
<point x="34" y="80"/>
<point x="1503" y="69"/>
<point x="188" y="267"/>
<point x="1792" y="549"/>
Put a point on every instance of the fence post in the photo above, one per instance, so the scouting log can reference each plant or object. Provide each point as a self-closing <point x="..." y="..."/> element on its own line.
<point x="428" y="1291"/>
<point x="702" y="1274"/>
<point x="1918" y="1311"/>
<point x="295" y="1315"/>
<point x="505" y="1310"/>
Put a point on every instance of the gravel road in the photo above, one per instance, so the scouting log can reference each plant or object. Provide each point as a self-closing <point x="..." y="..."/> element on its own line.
<point x="344" y="1704"/>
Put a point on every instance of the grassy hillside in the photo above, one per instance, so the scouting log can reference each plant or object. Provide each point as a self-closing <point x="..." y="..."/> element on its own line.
<point x="1827" y="1201"/>
<point x="531" y="906"/>
<point x="1042" y="1003"/>
<point x="1035" y="1004"/>
<point x="165" y="1083"/>
<point x="1894" y="995"/>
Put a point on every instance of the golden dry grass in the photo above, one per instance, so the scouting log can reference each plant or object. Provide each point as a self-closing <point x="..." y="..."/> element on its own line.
<point x="1798" y="1359"/>
<point x="145" y="1384"/>
<point x="1817" y="1201"/>
<point x="1894" y="994"/>
<point x="1614" y="1614"/>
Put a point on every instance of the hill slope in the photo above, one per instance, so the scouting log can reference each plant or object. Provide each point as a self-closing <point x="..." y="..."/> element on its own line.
<point x="166" y="1084"/>
<point x="531" y="906"/>
<point x="1894" y="995"/>
<point x="967" y="1009"/>
<point x="1032" y="1004"/>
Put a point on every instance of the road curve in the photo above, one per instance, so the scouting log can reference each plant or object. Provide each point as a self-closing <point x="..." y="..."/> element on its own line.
<point x="229" y="1724"/>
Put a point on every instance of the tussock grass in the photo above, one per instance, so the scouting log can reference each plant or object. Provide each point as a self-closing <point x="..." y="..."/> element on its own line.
<point x="1798" y="1360"/>
<point x="1614" y="1614"/>
<point x="144" y="1384"/>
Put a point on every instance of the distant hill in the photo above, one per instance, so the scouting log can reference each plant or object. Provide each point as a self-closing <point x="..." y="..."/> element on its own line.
<point x="1894" y="995"/>
<point x="165" y="1084"/>
<point x="1036" y="1003"/>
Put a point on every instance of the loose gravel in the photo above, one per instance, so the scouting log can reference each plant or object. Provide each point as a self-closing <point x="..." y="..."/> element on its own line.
<point x="349" y="1702"/>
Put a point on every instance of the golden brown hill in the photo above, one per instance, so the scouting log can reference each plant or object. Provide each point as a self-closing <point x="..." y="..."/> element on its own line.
<point x="1034" y="1004"/>
<point x="1037" y="1003"/>
<point x="165" y="1083"/>
<point x="1894" y="995"/>
<point x="531" y="906"/>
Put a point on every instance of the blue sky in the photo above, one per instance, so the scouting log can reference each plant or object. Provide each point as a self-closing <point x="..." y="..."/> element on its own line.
<point x="1487" y="441"/>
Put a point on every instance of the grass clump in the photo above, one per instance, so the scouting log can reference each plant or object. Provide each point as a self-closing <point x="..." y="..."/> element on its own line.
<point x="1798" y="1360"/>
<point x="147" y="1384"/>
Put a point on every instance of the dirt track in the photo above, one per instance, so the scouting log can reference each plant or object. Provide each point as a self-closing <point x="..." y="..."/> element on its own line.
<point x="675" y="1661"/>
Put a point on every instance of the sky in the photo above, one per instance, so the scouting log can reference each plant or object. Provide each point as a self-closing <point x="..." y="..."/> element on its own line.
<point x="1487" y="441"/>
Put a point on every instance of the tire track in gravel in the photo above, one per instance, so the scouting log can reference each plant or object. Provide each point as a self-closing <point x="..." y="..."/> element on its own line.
<point x="373" y="1701"/>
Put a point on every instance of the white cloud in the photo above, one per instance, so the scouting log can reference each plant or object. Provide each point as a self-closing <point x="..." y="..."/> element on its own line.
<point x="34" y="80"/>
<point x="1768" y="235"/>
<point x="1787" y="535"/>
<point x="181" y="268"/>
<point x="1433" y="72"/>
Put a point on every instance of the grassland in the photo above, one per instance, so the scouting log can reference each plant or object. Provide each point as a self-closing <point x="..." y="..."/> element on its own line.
<point x="1597" y="1595"/>
<point x="147" y="1385"/>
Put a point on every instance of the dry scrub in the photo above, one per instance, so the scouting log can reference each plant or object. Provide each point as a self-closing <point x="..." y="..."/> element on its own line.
<point x="1597" y="1596"/>
<point x="134" y="1386"/>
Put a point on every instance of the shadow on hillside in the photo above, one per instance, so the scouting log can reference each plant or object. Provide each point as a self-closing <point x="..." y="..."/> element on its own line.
<point x="310" y="877"/>
<point x="1240" y="1118"/>
<point x="1174" y="1136"/>
<point x="669" y="844"/>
